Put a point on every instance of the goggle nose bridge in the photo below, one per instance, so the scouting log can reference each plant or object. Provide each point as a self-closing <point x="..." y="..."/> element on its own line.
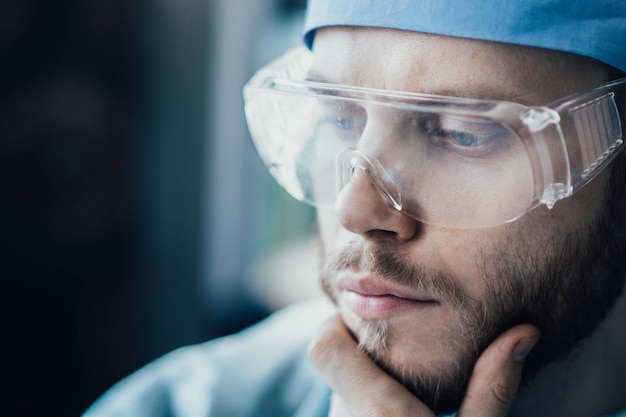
<point x="351" y="159"/>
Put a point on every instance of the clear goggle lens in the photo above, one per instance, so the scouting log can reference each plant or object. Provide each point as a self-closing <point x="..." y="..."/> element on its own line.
<point x="449" y="162"/>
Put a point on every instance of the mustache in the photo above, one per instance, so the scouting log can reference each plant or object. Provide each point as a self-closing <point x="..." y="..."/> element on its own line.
<point x="381" y="259"/>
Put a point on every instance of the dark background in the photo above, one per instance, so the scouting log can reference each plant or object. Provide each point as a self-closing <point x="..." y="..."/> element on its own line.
<point x="109" y="122"/>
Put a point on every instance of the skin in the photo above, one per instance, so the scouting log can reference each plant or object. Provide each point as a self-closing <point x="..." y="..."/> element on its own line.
<point x="423" y="340"/>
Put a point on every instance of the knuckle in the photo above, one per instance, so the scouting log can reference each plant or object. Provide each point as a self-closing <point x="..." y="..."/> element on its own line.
<point x="503" y="393"/>
<point x="319" y="349"/>
<point x="322" y="350"/>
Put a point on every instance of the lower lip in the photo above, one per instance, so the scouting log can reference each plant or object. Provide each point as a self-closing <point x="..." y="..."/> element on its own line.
<point x="381" y="306"/>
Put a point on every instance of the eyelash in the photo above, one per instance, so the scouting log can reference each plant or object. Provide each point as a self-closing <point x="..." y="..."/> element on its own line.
<point x="481" y="144"/>
<point x="456" y="136"/>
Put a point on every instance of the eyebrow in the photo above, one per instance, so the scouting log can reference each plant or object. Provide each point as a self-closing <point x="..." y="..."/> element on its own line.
<point x="478" y="92"/>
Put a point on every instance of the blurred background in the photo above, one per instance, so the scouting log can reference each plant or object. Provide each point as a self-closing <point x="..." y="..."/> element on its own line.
<point x="135" y="215"/>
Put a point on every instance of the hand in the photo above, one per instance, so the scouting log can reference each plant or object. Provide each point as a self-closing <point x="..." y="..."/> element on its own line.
<point x="362" y="389"/>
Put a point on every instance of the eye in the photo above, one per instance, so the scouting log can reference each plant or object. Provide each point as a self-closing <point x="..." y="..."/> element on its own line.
<point x="344" y="119"/>
<point x="468" y="137"/>
<point x="337" y="125"/>
<point x="462" y="138"/>
<point x="344" y="122"/>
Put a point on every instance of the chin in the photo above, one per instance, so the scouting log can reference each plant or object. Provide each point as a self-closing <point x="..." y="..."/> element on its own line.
<point x="437" y="372"/>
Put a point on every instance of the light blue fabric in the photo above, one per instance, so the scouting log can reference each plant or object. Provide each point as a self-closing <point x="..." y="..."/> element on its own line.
<point x="593" y="28"/>
<point x="261" y="372"/>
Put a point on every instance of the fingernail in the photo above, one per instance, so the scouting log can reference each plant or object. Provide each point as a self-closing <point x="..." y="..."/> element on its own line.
<point x="523" y="348"/>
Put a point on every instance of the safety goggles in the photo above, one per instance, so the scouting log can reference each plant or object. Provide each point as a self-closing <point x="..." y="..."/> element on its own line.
<point x="446" y="161"/>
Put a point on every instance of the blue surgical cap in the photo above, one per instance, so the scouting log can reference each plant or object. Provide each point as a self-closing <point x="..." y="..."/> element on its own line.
<point x="593" y="28"/>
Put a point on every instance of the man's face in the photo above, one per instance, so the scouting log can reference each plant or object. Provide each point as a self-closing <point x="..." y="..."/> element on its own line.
<point x="425" y="301"/>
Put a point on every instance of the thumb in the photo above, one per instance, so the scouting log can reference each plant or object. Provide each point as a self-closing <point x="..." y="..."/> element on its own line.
<point x="495" y="379"/>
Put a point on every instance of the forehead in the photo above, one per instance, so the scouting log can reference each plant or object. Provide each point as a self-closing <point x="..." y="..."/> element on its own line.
<point x="411" y="61"/>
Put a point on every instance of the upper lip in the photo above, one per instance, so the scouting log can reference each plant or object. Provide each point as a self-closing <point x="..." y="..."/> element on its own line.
<point x="370" y="286"/>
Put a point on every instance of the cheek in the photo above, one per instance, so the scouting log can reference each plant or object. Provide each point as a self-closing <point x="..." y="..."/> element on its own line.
<point x="461" y="254"/>
<point x="580" y="208"/>
<point x="473" y="257"/>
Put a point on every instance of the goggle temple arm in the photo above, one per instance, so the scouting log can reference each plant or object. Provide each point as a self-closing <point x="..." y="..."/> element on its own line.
<point x="599" y="130"/>
<point x="588" y="129"/>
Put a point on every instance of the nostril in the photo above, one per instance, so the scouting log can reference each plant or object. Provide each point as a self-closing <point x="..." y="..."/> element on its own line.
<point x="378" y="235"/>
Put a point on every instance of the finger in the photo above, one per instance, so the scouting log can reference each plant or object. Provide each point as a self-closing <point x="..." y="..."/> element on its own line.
<point x="495" y="379"/>
<point x="366" y="389"/>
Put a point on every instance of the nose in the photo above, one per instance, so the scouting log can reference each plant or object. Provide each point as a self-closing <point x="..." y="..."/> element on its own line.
<point x="369" y="205"/>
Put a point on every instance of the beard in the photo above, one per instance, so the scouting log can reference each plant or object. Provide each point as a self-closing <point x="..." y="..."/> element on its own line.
<point x="443" y="389"/>
<point x="565" y="288"/>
